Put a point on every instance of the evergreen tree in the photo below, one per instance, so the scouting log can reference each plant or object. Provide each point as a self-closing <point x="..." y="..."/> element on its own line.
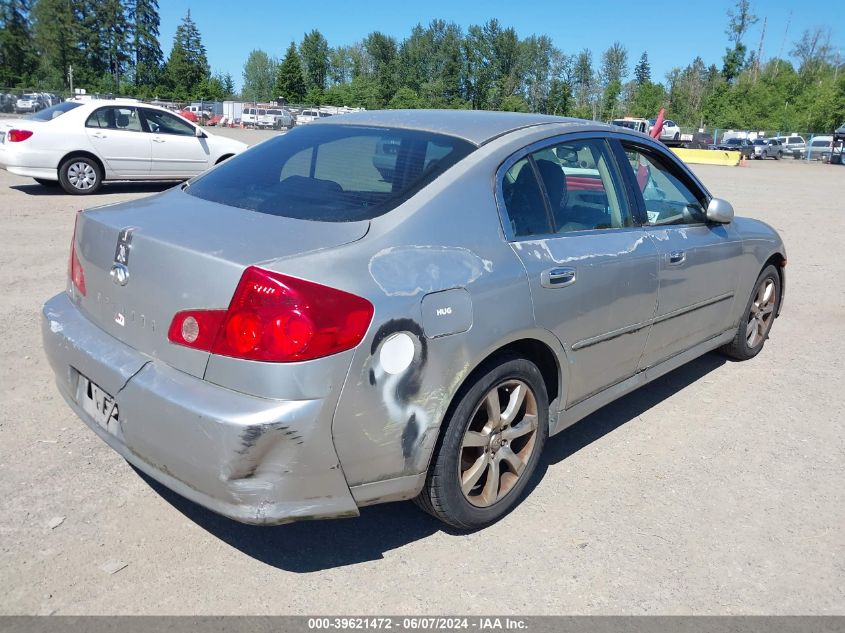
<point x="383" y="52"/>
<point x="114" y="37"/>
<point x="187" y="65"/>
<point x="314" y="53"/>
<point x="55" y="33"/>
<point x="17" y="60"/>
<point x="228" y="84"/>
<point x="642" y="71"/>
<point x="147" y="55"/>
<point x="290" y="82"/>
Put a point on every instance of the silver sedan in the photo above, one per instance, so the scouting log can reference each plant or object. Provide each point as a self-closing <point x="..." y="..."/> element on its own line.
<point x="398" y="305"/>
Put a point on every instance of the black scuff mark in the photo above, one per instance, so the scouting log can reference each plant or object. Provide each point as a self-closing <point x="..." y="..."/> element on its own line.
<point x="410" y="435"/>
<point x="410" y="382"/>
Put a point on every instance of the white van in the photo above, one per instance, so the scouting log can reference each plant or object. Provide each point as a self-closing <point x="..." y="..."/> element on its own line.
<point x="252" y="116"/>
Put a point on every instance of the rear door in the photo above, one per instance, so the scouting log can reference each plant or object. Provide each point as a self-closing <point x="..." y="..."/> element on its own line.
<point x="698" y="261"/>
<point x="591" y="269"/>
<point x="177" y="152"/>
<point x="118" y="138"/>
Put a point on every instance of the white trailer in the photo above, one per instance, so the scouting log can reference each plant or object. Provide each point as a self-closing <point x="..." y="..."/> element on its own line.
<point x="233" y="110"/>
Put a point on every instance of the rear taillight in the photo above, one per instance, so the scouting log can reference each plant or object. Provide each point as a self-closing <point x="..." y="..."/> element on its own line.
<point x="276" y="318"/>
<point x="74" y="266"/>
<point x="16" y="136"/>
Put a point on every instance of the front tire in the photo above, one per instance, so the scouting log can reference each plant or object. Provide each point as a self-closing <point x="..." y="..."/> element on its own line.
<point x="490" y="445"/>
<point x="760" y="313"/>
<point x="80" y="175"/>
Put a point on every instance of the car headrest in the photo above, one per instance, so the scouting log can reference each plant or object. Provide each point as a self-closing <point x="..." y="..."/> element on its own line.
<point x="122" y="120"/>
<point x="554" y="180"/>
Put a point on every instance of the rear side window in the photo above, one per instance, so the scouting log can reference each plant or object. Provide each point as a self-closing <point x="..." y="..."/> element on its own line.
<point x="48" y="114"/>
<point x="332" y="173"/>
<point x="578" y="186"/>
<point x="115" y="118"/>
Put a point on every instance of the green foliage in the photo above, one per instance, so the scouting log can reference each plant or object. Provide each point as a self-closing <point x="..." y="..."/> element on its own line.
<point x="144" y="19"/>
<point x="384" y="55"/>
<point x="405" y="98"/>
<point x="113" y="46"/>
<point x="314" y="51"/>
<point x="514" y="103"/>
<point x="642" y="71"/>
<point x="290" y="82"/>
<point x="610" y="100"/>
<point x="259" y="77"/>
<point x="187" y="65"/>
<point x="17" y="60"/>
<point x="647" y="100"/>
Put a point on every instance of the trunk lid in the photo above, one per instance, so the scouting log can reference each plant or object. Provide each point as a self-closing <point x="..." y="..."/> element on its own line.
<point x="182" y="253"/>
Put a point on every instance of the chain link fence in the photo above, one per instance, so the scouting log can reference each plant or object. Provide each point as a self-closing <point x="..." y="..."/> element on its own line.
<point x="797" y="145"/>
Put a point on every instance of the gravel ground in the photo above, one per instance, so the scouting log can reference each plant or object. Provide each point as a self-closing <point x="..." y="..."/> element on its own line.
<point x="718" y="489"/>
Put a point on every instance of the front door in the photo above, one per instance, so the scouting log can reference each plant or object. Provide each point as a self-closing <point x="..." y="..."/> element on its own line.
<point x="698" y="260"/>
<point x="592" y="271"/>
<point x="177" y="152"/>
<point x="117" y="136"/>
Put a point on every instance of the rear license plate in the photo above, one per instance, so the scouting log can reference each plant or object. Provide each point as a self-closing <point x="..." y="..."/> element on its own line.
<point x="98" y="404"/>
<point x="2" y="136"/>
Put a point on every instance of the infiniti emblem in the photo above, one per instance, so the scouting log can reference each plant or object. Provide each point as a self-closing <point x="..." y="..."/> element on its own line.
<point x="120" y="270"/>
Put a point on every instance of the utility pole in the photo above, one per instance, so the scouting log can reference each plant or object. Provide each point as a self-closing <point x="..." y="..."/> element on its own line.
<point x="760" y="49"/>
<point x="70" y="78"/>
<point x="783" y="41"/>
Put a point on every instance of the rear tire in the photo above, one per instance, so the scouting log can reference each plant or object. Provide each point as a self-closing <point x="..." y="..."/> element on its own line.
<point x="489" y="446"/>
<point x="47" y="183"/>
<point x="760" y="313"/>
<point x="80" y="175"/>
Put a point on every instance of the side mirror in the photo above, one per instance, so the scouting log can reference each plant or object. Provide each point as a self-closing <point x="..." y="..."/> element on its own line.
<point x="198" y="132"/>
<point x="720" y="211"/>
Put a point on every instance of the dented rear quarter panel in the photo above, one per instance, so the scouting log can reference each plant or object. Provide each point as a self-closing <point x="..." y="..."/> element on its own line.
<point x="448" y="236"/>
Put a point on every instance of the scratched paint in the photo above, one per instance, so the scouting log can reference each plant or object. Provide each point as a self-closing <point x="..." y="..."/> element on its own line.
<point x="399" y="390"/>
<point x="410" y="270"/>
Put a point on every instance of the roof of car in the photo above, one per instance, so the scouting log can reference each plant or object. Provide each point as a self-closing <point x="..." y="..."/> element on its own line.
<point x="475" y="126"/>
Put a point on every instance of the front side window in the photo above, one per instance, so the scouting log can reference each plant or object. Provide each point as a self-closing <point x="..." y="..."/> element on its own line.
<point x="115" y="118"/>
<point x="668" y="200"/>
<point x="578" y="190"/>
<point x="332" y="173"/>
<point x="165" y="123"/>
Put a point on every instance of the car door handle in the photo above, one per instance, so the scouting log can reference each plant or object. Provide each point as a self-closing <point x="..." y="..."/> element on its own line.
<point x="158" y="139"/>
<point x="98" y="135"/>
<point x="557" y="277"/>
<point x="676" y="257"/>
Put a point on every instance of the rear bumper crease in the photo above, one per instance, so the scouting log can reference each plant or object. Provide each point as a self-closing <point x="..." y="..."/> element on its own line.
<point x="249" y="458"/>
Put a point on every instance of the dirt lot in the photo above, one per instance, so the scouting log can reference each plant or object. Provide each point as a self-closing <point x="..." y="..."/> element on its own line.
<point x="718" y="489"/>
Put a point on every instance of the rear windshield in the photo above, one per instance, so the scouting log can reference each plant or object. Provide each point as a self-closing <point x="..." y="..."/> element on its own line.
<point x="331" y="173"/>
<point x="48" y="114"/>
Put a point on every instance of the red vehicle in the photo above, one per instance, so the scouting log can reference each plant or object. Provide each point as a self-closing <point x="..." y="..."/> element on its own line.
<point x="191" y="116"/>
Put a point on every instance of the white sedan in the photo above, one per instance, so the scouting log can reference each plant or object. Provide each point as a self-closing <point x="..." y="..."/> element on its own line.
<point x="81" y="144"/>
<point x="670" y="130"/>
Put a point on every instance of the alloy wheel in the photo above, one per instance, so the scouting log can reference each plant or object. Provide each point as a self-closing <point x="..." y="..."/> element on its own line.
<point x="498" y="443"/>
<point x="762" y="313"/>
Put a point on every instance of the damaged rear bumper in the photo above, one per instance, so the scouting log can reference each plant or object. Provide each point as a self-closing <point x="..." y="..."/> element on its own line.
<point x="252" y="459"/>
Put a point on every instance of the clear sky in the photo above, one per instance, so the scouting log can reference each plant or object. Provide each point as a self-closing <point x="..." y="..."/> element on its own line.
<point x="673" y="33"/>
